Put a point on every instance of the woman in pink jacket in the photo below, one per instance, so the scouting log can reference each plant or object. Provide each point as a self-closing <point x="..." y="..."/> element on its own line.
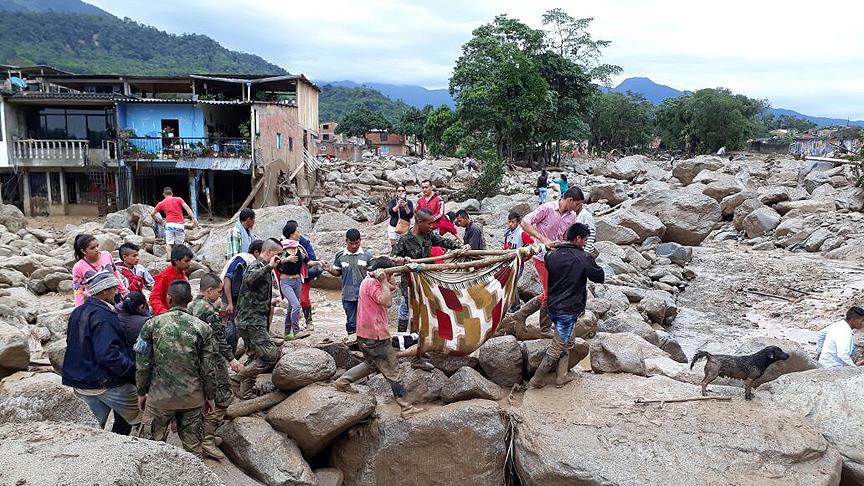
<point x="89" y="262"/>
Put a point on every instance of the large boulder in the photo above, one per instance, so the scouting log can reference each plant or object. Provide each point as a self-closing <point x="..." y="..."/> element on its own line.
<point x="421" y="386"/>
<point x="629" y="322"/>
<point x="534" y="350"/>
<point x="760" y="221"/>
<point x="613" y="193"/>
<point x="40" y="398"/>
<point x="622" y="353"/>
<point x="679" y="254"/>
<point x="268" y="224"/>
<point x="75" y="455"/>
<point x="689" y="218"/>
<point x="799" y="358"/>
<point x="315" y="415"/>
<point x="467" y="384"/>
<point x="299" y="367"/>
<point x="335" y="222"/>
<point x="608" y="231"/>
<point x="12" y="218"/>
<point x="265" y="454"/>
<point x="15" y="350"/>
<point x="686" y="170"/>
<point x="628" y="168"/>
<point x="464" y="440"/>
<point x="501" y="360"/>
<point x="643" y="224"/>
<point x="833" y="399"/>
<point x="592" y="433"/>
<point x="805" y="206"/>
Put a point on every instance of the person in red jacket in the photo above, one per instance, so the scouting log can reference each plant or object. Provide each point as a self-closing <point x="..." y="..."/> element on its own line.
<point x="181" y="260"/>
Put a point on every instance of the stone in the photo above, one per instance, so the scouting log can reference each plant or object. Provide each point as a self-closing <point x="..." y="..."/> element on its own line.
<point x="667" y="343"/>
<point x="621" y="353"/>
<point x="266" y="455"/>
<point x="628" y="322"/>
<point x="501" y="360"/>
<point x="619" y="235"/>
<point x="450" y="364"/>
<point x="367" y="177"/>
<point x="107" y="241"/>
<point x="24" y="264"/>
<point x="421" y="386"/>
<point x="743" y="210"/>
<point x="643" y="224"/>
<point x="9" y="277"/>
<point x="722" y="188"/>
<point x="805" y="206"/>
<point x="654" y="308"/>
<point x="613" y="193"/>
<point x="592" y="433"/>
<point x="799" y="358"/>
<point x="689" y="218"/>
<point x="343" y="356"/>
<point x="850" y="198"/>
<point x="686" y="170"/>
<point x="56" y="352"/>
<point x="534" y="350"/>
<point x="15" y="350"/>
<point x="789" y="227"/>
<point x="773" y="195"/>
<point x="470" y="205"/>
<point x="117" y="220"/>
<point x="40" y="398"/>
<point x="816" y="239"/>
<point x="12" y="218"/>
<point x="760" y="221"/>
<point x="679" y="254"/>
<point x="832" y="399"/>
<point x="329" y="477"/>
<point x="464" y="440"/>
<point x="76" y="455"/>
<point x="467" y="384"/>
<point x="813" y="180"/>
<point x="299" y="367"/>
<point x="316" y="414"/>
<point x="340" y="222"/>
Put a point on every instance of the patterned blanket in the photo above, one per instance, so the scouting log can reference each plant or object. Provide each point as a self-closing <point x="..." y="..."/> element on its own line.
<point x="455" y="311"/>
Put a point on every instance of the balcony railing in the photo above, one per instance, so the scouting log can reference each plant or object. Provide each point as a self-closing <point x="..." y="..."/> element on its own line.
<point x="51" y="149"/>
<point x="185" y="148"/>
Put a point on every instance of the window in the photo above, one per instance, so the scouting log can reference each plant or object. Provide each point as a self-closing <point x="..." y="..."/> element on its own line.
<point x="326" y="127"/>
<point x="94" y="125"/>
<point x="325" y="137"/>
<point x="290" y="144"/>
<point x="383" y="136"/>
<point x="278" y="141"/>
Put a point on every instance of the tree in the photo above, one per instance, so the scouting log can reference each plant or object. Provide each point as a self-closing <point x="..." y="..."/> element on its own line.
<point x="437" y="122"/>
<point x="361" y="121"/>
<point x="569" y="37"/>
<point x="788" y="122"/>
<point x="621" y="121"/>
<point x="413" y="123"/>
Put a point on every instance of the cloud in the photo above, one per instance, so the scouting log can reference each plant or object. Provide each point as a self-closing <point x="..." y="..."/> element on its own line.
<point x="784" y="52"/>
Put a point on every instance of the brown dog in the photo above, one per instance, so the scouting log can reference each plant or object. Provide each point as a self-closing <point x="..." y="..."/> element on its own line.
<point x="748" y="368"/>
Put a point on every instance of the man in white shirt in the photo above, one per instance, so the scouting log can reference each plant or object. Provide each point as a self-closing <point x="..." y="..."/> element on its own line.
<point x="835" y="343"/>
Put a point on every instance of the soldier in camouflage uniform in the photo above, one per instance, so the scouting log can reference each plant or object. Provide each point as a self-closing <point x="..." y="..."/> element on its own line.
<point x="254" y="305"/>
<point x="204" y="308"/>
<point x="174" y="371"/>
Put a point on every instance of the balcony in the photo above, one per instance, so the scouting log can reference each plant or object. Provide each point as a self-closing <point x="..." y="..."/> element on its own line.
<point x="180" y="148"/>
<point x="61" y="153"/>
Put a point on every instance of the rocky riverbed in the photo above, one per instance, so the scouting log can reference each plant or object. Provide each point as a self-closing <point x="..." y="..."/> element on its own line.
<point x="702" y="253"/>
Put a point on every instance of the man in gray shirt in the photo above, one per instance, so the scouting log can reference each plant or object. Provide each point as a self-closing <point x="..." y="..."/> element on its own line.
<point x="350" y="263"/>
<point x="473" y="231"/>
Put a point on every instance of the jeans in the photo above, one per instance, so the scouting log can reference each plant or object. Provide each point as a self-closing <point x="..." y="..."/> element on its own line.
<point x="291" y="289"/>
<point x="403" y="308"/>
<point x="562" y="342"/>
<point x="542" y="192"/>
<point x="122" y="399"/>
<point x="350" y="307"/>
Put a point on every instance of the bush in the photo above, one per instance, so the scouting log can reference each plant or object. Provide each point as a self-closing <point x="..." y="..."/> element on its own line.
<point x="489" y="182"/>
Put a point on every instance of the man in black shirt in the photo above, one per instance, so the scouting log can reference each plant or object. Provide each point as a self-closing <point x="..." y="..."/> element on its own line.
<point x="570" y="267"/>
<point x="473" y="231"/>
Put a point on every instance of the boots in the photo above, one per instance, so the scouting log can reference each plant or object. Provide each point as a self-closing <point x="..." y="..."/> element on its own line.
<point x="545" y="322"/>
<point x="518" y="318"/>
<point x="539" y="378"/>
<point x="307" y="316"/>
<point x="408" y="409"/>
<point x="403" y="325"/>
<point x="208" y="447"/>
<point x="561" y="376"/>
<point x="355" y="374"/>
<point x="246" y="387"/>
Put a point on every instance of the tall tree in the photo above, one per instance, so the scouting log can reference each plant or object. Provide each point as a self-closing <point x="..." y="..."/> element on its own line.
<point x="361" y="121"/>
<point x="620" y="121"/>
<point x="569" y="37"/>
<point x="413" y="123"/>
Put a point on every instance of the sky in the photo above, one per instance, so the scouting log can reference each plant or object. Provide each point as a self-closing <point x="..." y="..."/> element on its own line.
<point x="793" y="53"/>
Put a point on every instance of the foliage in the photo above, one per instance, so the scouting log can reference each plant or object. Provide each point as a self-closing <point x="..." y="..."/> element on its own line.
<point x="334" y="103"/>
<point x="361" y="121"/>
<point x="491" y="176"/>
<point x="569" y="37"/>
<point x="437" y="122"/>
<point x="86" y="44"/>
<point x="621" y="121"/>
<point x="413" y="123"/>
<point x="709" y="119"/>
<point x="788" y="122"/>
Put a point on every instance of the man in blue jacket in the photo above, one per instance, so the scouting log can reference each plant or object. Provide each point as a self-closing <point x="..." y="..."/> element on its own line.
<point x="98" y="364"/>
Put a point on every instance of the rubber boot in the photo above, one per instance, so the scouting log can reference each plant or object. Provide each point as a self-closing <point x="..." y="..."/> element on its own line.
<point x="355" y="374"/>
<point x="545" y="321"/>
<point x="246" y="387"/>
<point x="307" y="316"/>
<point x="208" y="447"/>
<point x="408" y="409"/>
<point x="539" y="378"/>
<point x="561" y="375"/>
<point x="518" y="318"/>
<point x="403" y="325"/>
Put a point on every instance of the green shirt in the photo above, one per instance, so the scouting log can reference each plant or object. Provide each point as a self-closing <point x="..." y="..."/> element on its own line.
<point x="253" y="303"/>
<point x="414" y="246"/>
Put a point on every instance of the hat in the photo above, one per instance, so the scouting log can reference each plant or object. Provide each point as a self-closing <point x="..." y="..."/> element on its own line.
<point x="101" y="281"/>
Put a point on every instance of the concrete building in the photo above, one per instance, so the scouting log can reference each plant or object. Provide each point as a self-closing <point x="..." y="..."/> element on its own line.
<point x="386" y="143"/>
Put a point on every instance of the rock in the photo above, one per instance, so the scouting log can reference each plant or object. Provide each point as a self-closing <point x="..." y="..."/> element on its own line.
<point x="805" y="206"/>
<point x="773" y="195"/>
<point x="75" y="455"/>
<point x="24" y="264"/>
<point x="722" y="188"/>
<point x="813" y="180"/>
<point x="422" y="386"/>
<point x="677" y="253"/>
<point x="629" y="322"/>
<point x="643" y="224"/>
<point x="789" y="227"/>
<point x="621" y="353"/>
<point x="264" y="454"/>
<point x="686" y="170"/>
<point x="816" y="239"/>
<point x="613" y="193"/>
<point x="40" y="398"/>
<point x="592" y="433"/>
<point x="667" y="343"/>
<point x="467" y="384"/>
<point x="655" y="308"/>
<point x="56" y="352"/>
<point x="15" y="350"/>
<point x="534" y="350"/>
<point x="619" y="235"/>
<point x="340" y="222"/>
<point x="12" y="218"/>
<point x="501" y="360"/>
<point x="316" y="414"/>
<point x="833" y="399"/>
<point x="56" y="321"/>
<point x="627" y="168"/>
<point x="730" y="203"/>
<point x="744" y="210"/>
<point x="107" y="241"/>
<point x="799" y="358"/>
<point x="329" y="477"/>
<point x="367" y="177"/>
<point x="299" y="367"/>
<point x="689" y="218"/>
<point x="341" y="355"/>
<point x="391" y="450"/>
<point x="9" y="277"/>
<point x="450" y="364"/>
<point x="760" y="221"/>
<point x="117" y="220"/>
<point x="470" y="205"/>
<point x="851" y="198"/>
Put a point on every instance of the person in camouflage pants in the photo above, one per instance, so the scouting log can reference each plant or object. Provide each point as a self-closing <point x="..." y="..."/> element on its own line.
<point x="174" y="371"/>
<point x="203" y="307"/>
<point x="254" y="305"/>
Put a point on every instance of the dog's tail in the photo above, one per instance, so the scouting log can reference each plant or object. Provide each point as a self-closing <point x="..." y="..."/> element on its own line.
<point x="698" y="356"/>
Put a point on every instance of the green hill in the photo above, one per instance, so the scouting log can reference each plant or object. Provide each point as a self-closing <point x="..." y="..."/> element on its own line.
<point x="336" y="102"/>
<point x="85" y="43"/>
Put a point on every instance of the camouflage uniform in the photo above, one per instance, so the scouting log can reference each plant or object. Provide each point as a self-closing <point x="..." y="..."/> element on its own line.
<point x="174" y="368"/>
<point x="253" y="324"/>
<point x="206" y="311"/>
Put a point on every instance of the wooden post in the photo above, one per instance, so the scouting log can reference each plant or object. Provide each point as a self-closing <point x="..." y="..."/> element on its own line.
<point x="63" y="195"/>
<point x="28" y="209"/>
<point x="48" y="186"/>
<point x="193" y="193"/>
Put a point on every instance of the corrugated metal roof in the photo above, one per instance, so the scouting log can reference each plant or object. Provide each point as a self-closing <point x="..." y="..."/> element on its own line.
<point x="215" y="163"/>
<point x="38" y="95"/>
<point x="203" y="102"/>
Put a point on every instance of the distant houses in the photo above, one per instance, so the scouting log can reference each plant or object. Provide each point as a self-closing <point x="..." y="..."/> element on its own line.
<point x="819" y="142"/>
<point x="91" y="144"/>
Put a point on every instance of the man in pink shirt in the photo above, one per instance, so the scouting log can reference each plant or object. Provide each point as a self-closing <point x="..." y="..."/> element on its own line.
<point x="173" y="208"/>
<point x="373" y="335"/>
<point x="432" y="202"/>
<point x="549" y="223"/>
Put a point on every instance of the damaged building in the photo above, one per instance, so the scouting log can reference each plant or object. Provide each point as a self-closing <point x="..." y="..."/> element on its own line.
<point x="93" y="144"/>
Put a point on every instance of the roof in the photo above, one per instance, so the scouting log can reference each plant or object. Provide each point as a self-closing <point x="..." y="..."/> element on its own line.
<point x="132" y="99"/>
<point x="212" y="163"/>
<point x="81" y="98"/>
<point x="40" y="69"/>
